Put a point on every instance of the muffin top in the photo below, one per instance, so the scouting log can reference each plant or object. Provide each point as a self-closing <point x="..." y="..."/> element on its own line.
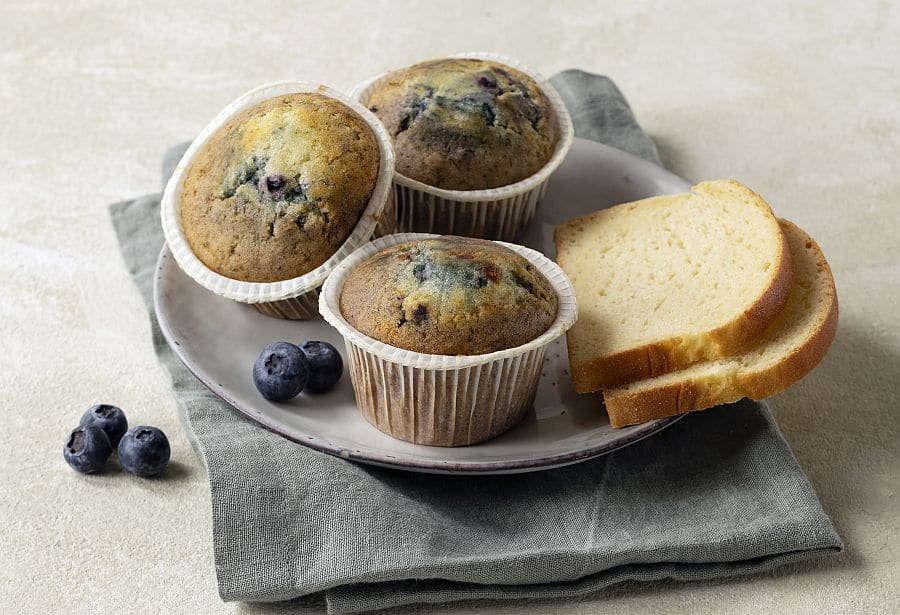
<point x="464" y="124"/>
<point x="277" y="190"/>
<point x="450" y="295"/>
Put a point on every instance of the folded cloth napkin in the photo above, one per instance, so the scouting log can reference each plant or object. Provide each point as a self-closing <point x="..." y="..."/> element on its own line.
<point x="717" y="494"/>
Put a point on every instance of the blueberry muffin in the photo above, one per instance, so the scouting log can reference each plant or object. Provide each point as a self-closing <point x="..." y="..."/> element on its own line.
<point x="466" y="124"/>
<point x="450" y="296"/>
<point x="277" y="190"/>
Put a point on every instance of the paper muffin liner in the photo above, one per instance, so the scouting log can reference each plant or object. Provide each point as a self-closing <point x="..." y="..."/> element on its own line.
<point x="442" y="400"/>
<point x="301" y="307"/>
<point x="295" y="298"/>
<point x="495" y="213"/>
<point x="387" y="223"/>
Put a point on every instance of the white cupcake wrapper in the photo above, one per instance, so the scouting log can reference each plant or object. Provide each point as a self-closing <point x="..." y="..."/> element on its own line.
<point x="387" y="223"/>
<point x="302" y="307"/>
<point x="294" y="298"/>
<point x="443" y="400"/>
<point x="495" y="213"/>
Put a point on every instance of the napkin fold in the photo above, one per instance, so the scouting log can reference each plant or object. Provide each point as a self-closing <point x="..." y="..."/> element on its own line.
<point x="717" y="494"/>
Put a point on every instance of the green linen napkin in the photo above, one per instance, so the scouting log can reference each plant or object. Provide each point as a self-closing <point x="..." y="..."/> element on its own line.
<point x="717" y="494"/>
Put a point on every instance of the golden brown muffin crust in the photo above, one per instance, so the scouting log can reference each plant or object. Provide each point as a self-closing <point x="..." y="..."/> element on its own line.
<point x="276" y="191"/>
<point x="465" y="124"/>
<point x="451" y="296"/>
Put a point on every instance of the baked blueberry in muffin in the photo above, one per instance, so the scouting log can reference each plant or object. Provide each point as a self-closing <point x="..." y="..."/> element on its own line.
<point x="276" y="191"/>
<point x="449" y="295"/>
<point x="466" y="124"/>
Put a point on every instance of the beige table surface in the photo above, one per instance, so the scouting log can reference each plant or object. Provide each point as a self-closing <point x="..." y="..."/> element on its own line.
<point x="799" y="101"/>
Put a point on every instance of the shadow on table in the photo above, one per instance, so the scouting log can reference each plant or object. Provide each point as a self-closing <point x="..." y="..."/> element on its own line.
<point x="842" y="423"/>
<point x="672" y="157"/>
<point x="307" y="605"/>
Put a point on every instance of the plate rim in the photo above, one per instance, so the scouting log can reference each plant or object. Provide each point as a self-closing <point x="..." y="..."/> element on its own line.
<point x="424" y="466"/>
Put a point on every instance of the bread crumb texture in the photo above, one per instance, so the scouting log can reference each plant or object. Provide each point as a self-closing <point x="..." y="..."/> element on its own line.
<point x="668" y="281"/>
<point x="792" y="345"/>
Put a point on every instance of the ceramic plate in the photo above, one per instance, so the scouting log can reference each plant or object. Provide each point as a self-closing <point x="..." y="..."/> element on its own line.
<point x="218" y="340"/>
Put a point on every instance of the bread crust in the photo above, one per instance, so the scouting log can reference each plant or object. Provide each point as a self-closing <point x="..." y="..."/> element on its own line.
<point x="629" y="407"/>
<point x="763" y="383"/>
<point x="675" y="353"/>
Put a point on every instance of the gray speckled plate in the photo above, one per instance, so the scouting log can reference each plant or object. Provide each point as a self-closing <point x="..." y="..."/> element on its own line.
<point x="218" y="340"/>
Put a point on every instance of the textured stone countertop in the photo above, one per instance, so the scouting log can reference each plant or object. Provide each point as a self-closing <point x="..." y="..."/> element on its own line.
<point x="799" y="100"/>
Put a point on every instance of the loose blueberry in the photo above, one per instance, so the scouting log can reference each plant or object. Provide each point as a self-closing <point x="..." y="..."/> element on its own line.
<point x="87" y="449"/>
<point x="325" y="366"/>
<point x="281" y="371"/>
<point x="144" y="451"/>
<point x="109" y="418"/>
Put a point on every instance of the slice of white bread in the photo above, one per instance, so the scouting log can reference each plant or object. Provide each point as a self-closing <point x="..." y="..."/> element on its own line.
<point x="669" y="281"/>
<point x="785" y="352"/>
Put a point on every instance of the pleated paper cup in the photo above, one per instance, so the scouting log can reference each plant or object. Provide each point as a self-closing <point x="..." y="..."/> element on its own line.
<point x="442" y="400"/>
<point x="295" y="298"/>
<point x="494" y="213"/>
